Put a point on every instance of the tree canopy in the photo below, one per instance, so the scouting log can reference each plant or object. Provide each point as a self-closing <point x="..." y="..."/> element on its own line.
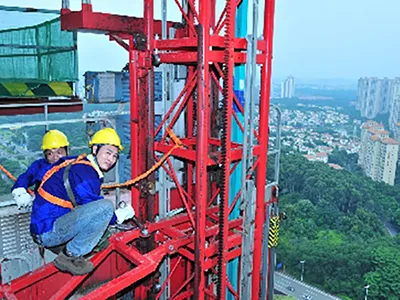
<point x="336" y="224"/>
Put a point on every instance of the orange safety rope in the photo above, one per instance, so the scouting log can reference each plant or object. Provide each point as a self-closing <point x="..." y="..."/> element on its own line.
<point x="11" y="176"/>
<point x="178" y="144"/>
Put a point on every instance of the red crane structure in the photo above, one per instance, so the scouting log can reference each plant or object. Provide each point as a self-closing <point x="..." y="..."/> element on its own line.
<point x="200" y="242"/>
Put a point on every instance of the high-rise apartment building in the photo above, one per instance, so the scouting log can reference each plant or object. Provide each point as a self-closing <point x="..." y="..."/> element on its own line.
<point x="394" y="112"/>
<point x="374" y="96"/>
<point x="378" y="153"/>
<point x="397" y="132"/>
<point x="288" y="88"/>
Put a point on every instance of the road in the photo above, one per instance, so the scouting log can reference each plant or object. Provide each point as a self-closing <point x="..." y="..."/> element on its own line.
<point x="300" y="289"/>
<point x="391" y="228"/>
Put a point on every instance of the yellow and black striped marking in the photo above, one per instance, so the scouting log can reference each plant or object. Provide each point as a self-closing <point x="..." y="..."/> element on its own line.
<point x="32" y="90"/>
<point x="273" y="233"/>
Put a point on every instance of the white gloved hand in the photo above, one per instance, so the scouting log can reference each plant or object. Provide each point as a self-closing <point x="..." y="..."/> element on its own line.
<point x="22" y="198"/>
<point x="18" y="192"/>
<point x="124" y="212"/>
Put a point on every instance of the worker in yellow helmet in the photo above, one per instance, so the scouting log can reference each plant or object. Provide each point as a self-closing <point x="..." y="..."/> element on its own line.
<point x="54" y="145"/>
<point x="69" y="208"/>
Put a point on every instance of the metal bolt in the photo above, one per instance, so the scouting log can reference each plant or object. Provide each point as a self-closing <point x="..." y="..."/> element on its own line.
<point x="171" y="248"/>
<point x="157" y="287"/>
<point x="145" y="232"/>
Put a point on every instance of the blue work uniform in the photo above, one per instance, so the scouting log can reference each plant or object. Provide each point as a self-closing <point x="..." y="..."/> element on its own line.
<point x="32" y="176"/>
<point x="52" y="200"/>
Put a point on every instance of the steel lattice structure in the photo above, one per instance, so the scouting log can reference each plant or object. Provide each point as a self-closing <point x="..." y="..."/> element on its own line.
<point x="200" y="242"/>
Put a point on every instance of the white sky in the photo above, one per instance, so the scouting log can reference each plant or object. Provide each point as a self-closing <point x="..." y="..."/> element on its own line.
<point x="313" y="38"/>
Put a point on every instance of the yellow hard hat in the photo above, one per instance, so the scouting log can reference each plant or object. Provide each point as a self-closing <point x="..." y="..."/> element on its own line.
<point x="54" y="139"/>
<point x="107" y="136"/>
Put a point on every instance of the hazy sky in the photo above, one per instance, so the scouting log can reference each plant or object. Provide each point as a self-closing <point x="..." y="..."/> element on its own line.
<point x="313" y="38"/>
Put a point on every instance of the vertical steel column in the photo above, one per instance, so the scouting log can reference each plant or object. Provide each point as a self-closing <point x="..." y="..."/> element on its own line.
<point x="164" y="189"/>
<point x="191" y="113"/>
<point x="278" y="143"/>
<point x="190" y="107"/>
<point x="149" y="105"/>
<point x="247" y="241"/>
<point x="263" y="136"/>
<point x="203" y="109"/>
<point x="247" y="197"/>
<point x="134" y="119"/>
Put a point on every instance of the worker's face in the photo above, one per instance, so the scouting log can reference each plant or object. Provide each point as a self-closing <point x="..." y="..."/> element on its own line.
<point x="53" y="155"/>
<point x="106" y="157"/>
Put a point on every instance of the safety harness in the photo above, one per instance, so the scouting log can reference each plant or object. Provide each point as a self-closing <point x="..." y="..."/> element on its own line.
<point x="71" y="203"/>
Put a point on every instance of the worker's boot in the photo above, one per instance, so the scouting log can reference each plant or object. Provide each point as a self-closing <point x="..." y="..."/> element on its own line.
<point x="103" y="243"/>
<point x="74" y="265"/>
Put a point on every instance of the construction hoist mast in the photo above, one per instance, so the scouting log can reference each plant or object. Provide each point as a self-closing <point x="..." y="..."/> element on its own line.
<point x="185" y="255"/>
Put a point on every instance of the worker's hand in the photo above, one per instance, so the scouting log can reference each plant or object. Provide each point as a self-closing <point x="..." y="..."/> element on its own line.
<point x="124" y="212"/>
<point x="22" y="198"/>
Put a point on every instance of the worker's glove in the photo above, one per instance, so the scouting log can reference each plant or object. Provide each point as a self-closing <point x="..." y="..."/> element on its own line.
<point x="22" y="198"/>
<point x="124" y="212"/>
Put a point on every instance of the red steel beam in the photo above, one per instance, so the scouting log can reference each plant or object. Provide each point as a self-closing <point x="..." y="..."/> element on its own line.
<point x="29" y="109"/>
<point x="187" y="90"/>
<point x="117" y="284"/>
<point x="190" y="44"/>
<point x="74" y="282"/>
<point x="88" y="20"/>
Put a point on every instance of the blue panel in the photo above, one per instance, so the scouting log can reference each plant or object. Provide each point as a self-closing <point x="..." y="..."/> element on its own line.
<point x="124" y="168"/>
<point x="125" y="89"/>
<point x="118" y="86"/>
<point x="158" y="86"/>
<point x="122" y="86"/>
<point x="240" y="95"/>
<point x="124" y="129"/>
<point x="237" y="136"/>
<point x="157" y="121"/>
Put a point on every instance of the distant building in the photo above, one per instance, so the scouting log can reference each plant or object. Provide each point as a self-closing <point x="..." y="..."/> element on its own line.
<point x="335" y="166"/>
<point x="322" y="156"/>
<point x="374" y="96"/>
<point x="397" y="132"/>
<point x="394" y="112"/>
<point x="378" y="153"/>
<point x="319" y="156"/>
<point x="288" y="88"/>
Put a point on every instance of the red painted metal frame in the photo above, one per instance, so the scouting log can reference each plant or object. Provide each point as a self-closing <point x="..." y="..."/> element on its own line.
<point x="90" y="21"/>
<point x="190" y="239"/>
<point x="29" y="109"/>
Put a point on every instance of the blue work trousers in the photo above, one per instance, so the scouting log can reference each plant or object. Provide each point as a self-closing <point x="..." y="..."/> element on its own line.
<point x="80" y="229"/>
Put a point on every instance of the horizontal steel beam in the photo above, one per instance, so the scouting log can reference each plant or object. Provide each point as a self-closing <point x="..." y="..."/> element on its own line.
<point x="29" y="10"/>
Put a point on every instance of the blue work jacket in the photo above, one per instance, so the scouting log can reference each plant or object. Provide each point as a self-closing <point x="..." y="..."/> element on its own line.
<point x="33" y="176"/>
<point x="85" y="181"/>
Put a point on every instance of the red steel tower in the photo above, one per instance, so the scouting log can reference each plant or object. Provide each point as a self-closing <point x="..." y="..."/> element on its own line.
<point x="200" y="241"/>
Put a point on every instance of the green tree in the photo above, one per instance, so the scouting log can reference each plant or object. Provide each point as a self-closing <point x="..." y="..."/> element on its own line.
<point x="384" y="278"/>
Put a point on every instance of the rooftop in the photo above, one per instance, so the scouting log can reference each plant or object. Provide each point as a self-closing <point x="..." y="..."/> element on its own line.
<point x="390" y="141"/>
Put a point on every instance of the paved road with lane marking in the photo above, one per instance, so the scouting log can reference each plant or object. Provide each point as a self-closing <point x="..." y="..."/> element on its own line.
<point x="295" y="288"/>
